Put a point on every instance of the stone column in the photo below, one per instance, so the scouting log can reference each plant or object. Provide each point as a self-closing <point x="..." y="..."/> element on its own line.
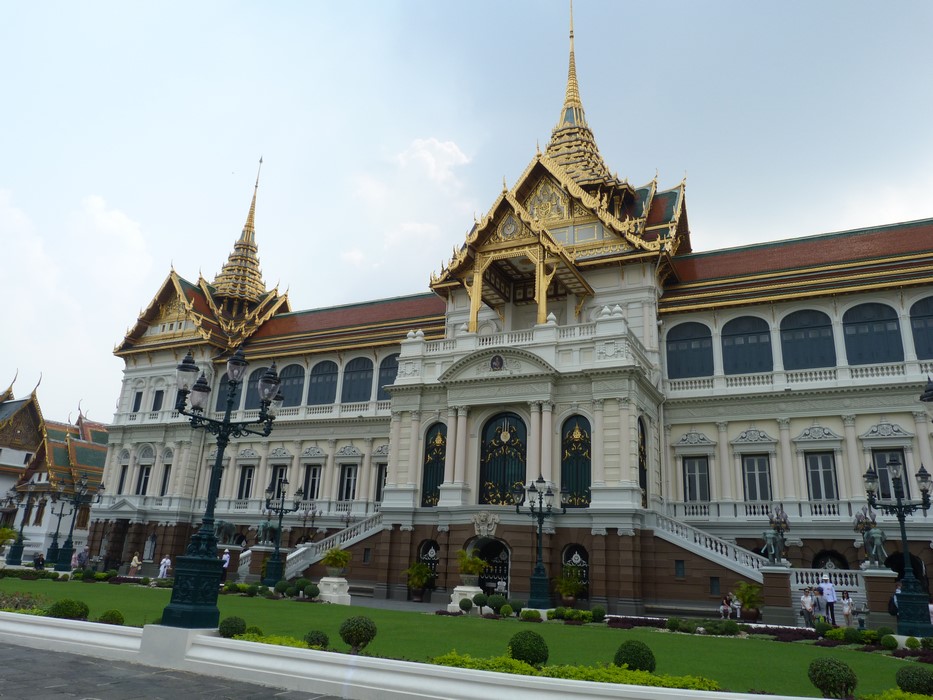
<point x="264" y="470"/>
<point x="228" y="480"/>
<point x="547" y="432"/>
<point x="922" y="424"/>
<point x="625" y="438"/>
<point x="853" y="457"/>
<point x="533" y="463"/>
<point x="460" y="465"/>
<point x="365" y="477"/>
<point x="294" y="469"/>
<point x="597" y="445"/>
<point x="724" y="462"/>
<point x="329" y="467"/>
<point x="787" y="461"/>
<point x="414" y="447"/>
<point x="450" y="451"/>
<point x="395" y="430"/>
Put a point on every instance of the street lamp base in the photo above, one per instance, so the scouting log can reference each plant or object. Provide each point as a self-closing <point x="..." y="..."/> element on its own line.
<point x="273" y="572"/>
<point x="15" y="556"/>
<point x="194" y="594"/>
<point x="63" y="561"/>
<point x="913" y="612"/>
<point x="540" y="597"/>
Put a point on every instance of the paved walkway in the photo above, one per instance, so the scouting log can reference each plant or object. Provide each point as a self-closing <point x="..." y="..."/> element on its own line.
<point x="31" y="674"/>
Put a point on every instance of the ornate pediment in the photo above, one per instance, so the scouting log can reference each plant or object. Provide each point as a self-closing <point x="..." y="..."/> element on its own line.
<point x="349" y="451"/>
<point x="312" y="451"/>
<point x="279" y="453"/>
<point x="497" y="364"/>
<point x="754" y="436"/>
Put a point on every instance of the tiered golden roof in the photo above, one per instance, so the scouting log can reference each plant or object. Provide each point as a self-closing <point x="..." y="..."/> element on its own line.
<point x="241" y="277"/>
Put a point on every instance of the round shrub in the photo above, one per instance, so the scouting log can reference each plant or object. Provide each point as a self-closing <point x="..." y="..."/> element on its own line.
<point x="496" y="602"/>
<point x="252" y="590"/>
<point x="882" y="631"/>
<point x="63" y="577"/>
<point x="531" y="615"/>
<point x="301" y="583"/>
<point x="927" y="643"/>
<point x="851" y="635"/>
<point x="232" y="626"/>
<point x="357" y="631"/>
<point x="253" y="629"/>
<point x="915" y="679"/>
<point x="111" y="617"/>
<point x="506" y="610"/>
<point x="466" y="605"/>
<point x="281" y="587"/>
<point x="832" y="677"/>
<point x="479" y="600"/>
<point x="599" y="613"/>
<point x="68" y="609"/>
<point x="529" y="647"/>
<point x="822" y="628"/>
<point x="636" y="655"/>
<point x="312" y="591"/>
<point x="316" y="638"/>
<point x="517" y="606"/>
<point x="231" y="587"/>
<point x="291" y="592"/>
<point x="888" y="642"/>
<point x="560" y="613"/>
<point x="673" y="624"/>
<point x="145" y="581"/>
<point x="912" y="643"/>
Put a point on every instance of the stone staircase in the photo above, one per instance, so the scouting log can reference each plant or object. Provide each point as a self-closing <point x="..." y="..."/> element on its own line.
<point x="715" y="549"/>
<point x="311" y="552"/>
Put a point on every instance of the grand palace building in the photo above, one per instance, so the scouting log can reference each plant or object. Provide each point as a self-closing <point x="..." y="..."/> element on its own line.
<point x="674" y="398"/>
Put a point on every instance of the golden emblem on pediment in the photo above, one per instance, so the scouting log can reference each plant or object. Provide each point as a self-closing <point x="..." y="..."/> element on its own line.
<point x="547" y="202"/>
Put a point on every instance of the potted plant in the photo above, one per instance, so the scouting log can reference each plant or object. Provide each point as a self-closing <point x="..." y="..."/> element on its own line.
<point x="471" y="566"/>
<point x="335" y="560"/>
<point x="750" y="598"/>
<point x="569" y="586"/>
<point x="419" y="576"/>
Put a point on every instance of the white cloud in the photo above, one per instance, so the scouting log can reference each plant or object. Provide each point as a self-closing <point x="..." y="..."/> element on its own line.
<point x="436" y="158"/>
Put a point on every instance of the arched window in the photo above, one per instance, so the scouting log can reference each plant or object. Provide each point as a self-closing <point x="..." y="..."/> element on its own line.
<point x="435" y="451"/>
<point x="222" y="392"/>
<point x="921" y="322"/>
<point x="872" y="334"/>
<point x="323" y="384"/>
<point x="689" y="351"/>
<point x="807" y="340"/>
<point x="746" y="346"/>
<point x="576" y="461"/>
<point x="357" y="381"/>
<point x="502" y="459"/>
<point x="576" y="564"/>
<point x="293" y="379"/>
<point x="388" y="369"/>
<point x="252" y="388"/>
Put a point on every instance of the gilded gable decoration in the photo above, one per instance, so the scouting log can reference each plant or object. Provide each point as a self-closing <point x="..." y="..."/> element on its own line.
<point x="549" y="204"/>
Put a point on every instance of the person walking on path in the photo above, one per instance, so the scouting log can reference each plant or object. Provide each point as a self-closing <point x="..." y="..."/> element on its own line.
<point x="164" y="566"/>
<point x="225" y="561"/>
<point x="134" y="565"/>
<point x="829" y="596"/>
<point x="84" y="557"/>
<point x="806" y="607"/>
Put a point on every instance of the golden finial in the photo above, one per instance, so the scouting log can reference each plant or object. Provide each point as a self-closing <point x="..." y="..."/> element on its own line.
<point x="249" y="229"/>
<point x="573" y="89"/>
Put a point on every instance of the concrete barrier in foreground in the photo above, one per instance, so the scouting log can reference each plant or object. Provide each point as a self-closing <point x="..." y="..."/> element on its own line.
<point x="351" y="677"/>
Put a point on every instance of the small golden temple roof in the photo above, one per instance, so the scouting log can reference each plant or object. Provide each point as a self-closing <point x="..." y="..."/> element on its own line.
<point x="572" y="143"/>
<point x="241" y="277"/>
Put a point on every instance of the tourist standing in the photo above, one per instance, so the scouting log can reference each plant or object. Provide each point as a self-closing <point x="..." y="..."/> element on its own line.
<point x="829" y="595"/>
<point x="134" y="565"/>
<point x="164" y="566"/>
<point x="846" y="602"/>
<point x="806" y="607"/>
<point x="225" y="561"/>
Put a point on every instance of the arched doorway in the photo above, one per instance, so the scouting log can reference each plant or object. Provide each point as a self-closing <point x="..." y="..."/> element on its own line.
<point x="895" y="562"/>
<point x="502" y="459"/>
<point x="495" y="579"/>
<point x="575" y="562"/>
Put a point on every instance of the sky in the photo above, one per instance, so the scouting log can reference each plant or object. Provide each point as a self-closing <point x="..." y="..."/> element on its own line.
<point x="131" y="135"/>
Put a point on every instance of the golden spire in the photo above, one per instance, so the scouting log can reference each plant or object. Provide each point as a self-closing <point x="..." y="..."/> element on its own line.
<point x="572" y="144"/>
<point x="241" y="277"/>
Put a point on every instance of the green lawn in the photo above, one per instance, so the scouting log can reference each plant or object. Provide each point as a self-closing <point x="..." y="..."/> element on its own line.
<point x="737" y="664"/>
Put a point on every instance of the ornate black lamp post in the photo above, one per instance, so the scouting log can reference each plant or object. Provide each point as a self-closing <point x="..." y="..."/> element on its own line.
<point x="309" y="512"/>
<point x="277" y="506"/>
<point x="913" y="616"/>
<point x="51" y="555"/>
<point x="540" y="508"/>
<point x="198" y="572"/>
<point x="23" y="500"/>
<point x="81" y="496"/>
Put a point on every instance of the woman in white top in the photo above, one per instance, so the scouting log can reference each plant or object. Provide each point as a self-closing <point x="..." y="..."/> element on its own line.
<point x="846" y="602"/>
